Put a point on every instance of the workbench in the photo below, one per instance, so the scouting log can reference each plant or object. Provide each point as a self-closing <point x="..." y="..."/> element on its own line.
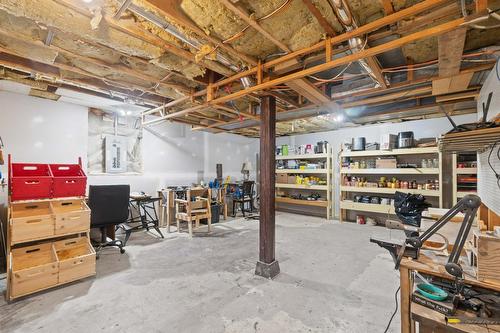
<point x="430" y="320"/>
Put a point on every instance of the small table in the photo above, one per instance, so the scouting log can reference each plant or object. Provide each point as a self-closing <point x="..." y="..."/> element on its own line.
<point x="430" y="320"/>
<point x="147" y="217"/>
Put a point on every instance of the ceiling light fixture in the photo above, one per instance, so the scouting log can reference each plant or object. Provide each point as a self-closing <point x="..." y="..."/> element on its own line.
<point x="87" y="1"/>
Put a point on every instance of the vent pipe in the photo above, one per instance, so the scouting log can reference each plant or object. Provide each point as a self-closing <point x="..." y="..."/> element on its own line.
<point x="356" y="44"/>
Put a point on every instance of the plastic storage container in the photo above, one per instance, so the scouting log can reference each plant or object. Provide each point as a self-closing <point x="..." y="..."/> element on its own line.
<point x="69" y="180"/>
<point x="29" y="181"/>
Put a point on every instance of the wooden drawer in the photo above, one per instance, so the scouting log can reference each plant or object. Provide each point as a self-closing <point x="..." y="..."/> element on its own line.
<point x="34" y="268"/>
<point x="76" y="259"/>
<point x="30" y="221"/>
<point x="71" y="216"/>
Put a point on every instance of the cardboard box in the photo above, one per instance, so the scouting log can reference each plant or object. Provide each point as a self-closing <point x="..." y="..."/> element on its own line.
<point x="386" y="163"/>
<point x="281" y="178"/>
<point x="292" y="179"/>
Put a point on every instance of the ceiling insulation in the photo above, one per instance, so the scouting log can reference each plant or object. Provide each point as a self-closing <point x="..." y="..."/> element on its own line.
<point x="170" y="52"/>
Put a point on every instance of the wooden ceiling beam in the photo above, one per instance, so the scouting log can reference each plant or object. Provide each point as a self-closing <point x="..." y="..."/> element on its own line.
<point x="321" y="19"/>
<point x="302" y="86"/>
<point x="120" y="68"/>
<point x="14" y="61"/>
<point x="397" y="86"/>
<point x="391" y="45"/>
<point x="171" y="9"/>
<point x="388" y="8"/>
<point x="397" y="96"/>
<point x="364" y="29"/>
<point x="75" y="70"/>
<point x="377" y="71"/>
<point x="144" y="35"/>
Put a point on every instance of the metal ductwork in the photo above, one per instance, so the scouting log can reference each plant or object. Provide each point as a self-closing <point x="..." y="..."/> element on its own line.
<point x="356" y="44"/>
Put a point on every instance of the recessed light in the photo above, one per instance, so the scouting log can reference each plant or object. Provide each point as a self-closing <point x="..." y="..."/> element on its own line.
<point x="87" y="1"/>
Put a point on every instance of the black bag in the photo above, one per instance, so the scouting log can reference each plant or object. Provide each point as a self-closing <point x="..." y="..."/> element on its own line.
<point x="409" y="208"/>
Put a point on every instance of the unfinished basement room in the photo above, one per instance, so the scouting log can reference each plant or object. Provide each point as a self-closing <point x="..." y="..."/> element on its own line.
<point x="237" y="166"/>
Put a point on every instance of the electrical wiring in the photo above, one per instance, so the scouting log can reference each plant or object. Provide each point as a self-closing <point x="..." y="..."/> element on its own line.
<point x="395" y="311"/>
<point x="242" y="31"/>
<point x="407" y="68"/>
<point x="497" y="175"/>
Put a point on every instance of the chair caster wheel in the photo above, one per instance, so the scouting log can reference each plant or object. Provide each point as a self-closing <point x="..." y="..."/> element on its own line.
<point x="122" y="251"/>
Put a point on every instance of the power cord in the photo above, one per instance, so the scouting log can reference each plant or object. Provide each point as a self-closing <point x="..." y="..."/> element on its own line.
<point x="395" y="311"/>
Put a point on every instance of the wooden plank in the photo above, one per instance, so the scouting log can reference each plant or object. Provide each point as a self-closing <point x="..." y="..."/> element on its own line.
<point x="389" y="97"/>
<point x="386" y="190"/>
<point x="456" y="96"/>
<point x="303" y="187"/>
<point x="388" y="8"/>
<point x="405" y="296"/>
<point x="267" y="179"/>
<point x="313" y="203"/>
<point x="309" y="91"/>
<point x="488" y="258"/>
<point x="460" y="82"/>
<point x="451" y="84"/>
<point x="481" y="5"/>
<point x="399" y="171"/>
<point x="377" y="71"/>
<point x="450" y="50"/>
<point x="408" y="151"/>
<point x="321" y="19"/>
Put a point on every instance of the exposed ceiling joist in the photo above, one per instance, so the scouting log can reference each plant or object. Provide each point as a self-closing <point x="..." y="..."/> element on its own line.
<point x="139" y="33"/>
<point x="171" y="9"/>
<point x="433" y="31"/>
<point x="54" y="74"/>
<point x="302" y="86"/>
<point x="388" y="8"/>
<point x="321" y="19"/>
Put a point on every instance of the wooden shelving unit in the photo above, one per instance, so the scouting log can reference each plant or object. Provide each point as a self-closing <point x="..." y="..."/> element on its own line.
<point x="460" y="172"/>
<point x="401" y="171"/>
<point x="41" y="254"/>
<point x="385" y="190"/>
<point x="346" y="192"/>
<point x="326" y="190"/>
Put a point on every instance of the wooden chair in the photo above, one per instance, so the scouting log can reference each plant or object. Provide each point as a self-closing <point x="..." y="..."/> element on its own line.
<point x="195" y="207"/>
<point x="246" y="197"/>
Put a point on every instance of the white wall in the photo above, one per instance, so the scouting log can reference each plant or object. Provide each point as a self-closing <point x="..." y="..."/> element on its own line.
<point x="488" y="188"/>
<point x="39" y="130"/>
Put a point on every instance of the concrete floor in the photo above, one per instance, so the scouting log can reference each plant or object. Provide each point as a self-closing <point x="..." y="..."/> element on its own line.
<point x="332" y="280"/>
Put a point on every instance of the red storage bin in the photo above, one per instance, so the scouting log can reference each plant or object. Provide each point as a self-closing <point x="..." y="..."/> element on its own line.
<point x="29" y="181"/>
<point x="69" y="180"/>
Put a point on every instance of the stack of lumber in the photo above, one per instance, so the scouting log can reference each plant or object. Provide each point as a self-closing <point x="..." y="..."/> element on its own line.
<point x="476" y="140"/>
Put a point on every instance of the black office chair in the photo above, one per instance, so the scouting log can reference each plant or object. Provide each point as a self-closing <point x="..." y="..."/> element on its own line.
<point x="109" y="205"/>
<point x="245" y="197"/>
